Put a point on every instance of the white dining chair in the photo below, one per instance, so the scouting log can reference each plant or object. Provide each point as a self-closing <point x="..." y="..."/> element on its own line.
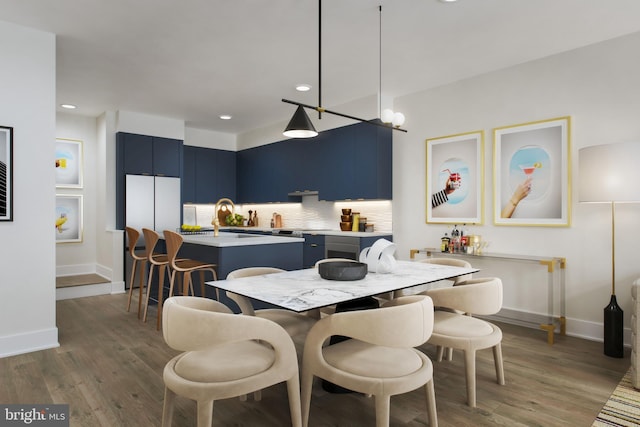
<point x="482" y="296"/>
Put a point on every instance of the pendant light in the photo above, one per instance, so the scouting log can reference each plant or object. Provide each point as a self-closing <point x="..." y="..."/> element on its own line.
<point x="300" y="125"/>
<point x="387" y="115"/>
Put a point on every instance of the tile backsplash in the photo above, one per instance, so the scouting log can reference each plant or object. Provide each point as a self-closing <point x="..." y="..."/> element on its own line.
<point x="311" y="214"/>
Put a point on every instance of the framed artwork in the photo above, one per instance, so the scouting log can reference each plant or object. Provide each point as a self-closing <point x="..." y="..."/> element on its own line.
<point x="68" y="163"/>
<point x="455" y="177"/>
<point x="68" y="218"/>
<point x="532" y="173"/>
<point x="6" y="173"/>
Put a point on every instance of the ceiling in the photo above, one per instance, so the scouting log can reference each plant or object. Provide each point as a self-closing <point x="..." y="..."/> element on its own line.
<point x="194" y="59"/>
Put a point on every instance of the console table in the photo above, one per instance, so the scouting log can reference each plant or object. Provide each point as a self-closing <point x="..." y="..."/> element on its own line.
<point x="556" y="278"/>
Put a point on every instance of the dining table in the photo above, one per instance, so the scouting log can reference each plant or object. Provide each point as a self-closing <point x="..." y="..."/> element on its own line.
<point x="304" y="290"/>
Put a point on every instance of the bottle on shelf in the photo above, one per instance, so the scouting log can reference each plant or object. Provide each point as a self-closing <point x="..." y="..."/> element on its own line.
<point x="455" y="240"/>
<point x="444" y="244"/>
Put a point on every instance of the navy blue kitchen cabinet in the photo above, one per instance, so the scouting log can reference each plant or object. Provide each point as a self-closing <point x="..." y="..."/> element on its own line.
<point x="189" y="175"/>
<point x="350" y="162"/>
<point x="254" y="175"/>
<point x="373" y="163"/>
<point x="149" y="155"/>
<point x="313" y="249"/>
<point x="208" y="175"/>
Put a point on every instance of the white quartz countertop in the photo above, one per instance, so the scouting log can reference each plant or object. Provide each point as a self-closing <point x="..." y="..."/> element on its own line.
<point x="318" y="232"/>
<point x="238" y="239"/>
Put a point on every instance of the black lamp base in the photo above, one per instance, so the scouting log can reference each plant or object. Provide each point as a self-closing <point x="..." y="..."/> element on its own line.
<point x="613" y="329"/>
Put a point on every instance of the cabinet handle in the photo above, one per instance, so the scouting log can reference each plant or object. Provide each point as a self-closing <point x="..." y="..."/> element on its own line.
<point x="313" y="245"/>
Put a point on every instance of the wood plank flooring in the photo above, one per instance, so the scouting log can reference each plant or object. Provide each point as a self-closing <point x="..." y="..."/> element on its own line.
<point x="109" y="370"/>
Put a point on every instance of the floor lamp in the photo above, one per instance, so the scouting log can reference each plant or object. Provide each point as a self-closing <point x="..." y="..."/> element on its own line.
<point x="610" y="174"/>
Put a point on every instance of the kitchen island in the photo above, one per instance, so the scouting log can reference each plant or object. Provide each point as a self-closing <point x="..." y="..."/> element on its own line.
<point x="231" y="251"/>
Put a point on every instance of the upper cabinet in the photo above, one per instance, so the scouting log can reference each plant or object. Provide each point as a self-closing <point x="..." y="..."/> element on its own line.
<point x="351" y="162"/>
<point x="208" y="175"/>
<point x="149" y="155"/>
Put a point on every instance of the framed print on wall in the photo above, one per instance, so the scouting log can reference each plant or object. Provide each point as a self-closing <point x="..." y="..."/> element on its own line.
<point x="6" y="173"/>
<point x="532" y="173"/>
<point x="68" y="222"/>
<point x="68" y="163"/>
<point x="455" y="166"/>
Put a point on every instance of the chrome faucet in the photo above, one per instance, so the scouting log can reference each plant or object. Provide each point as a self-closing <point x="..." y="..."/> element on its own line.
<point x="216" y="221"/>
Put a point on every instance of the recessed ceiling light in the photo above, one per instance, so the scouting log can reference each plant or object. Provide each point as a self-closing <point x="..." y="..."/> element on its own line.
<point x="447" y="1"/>
<point x="303" y="87"/>
<point x="225" y="117"/>
<point x="68" y="106"/>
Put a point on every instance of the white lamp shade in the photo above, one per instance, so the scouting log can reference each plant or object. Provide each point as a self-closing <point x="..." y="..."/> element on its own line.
<point x="386" y="116"/>
<point x="398" y="119"/>
<point x="609" y="173"/>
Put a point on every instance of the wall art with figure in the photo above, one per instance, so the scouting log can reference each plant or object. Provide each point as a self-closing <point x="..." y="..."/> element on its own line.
<point x="454" y="174"/>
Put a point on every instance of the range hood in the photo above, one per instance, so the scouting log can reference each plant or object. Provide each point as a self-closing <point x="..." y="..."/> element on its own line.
<point x="303" y="193"/>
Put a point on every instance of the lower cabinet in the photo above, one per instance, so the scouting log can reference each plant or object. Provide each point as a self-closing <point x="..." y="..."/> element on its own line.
<point x="313" y="249"/>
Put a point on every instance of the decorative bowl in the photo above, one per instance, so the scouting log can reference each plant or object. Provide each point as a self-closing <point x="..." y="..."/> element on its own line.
<point x="346" y="211"/>
<point x="346" y="218"/>
<point x="346" y="226"/>
<point x="342" y="270"/>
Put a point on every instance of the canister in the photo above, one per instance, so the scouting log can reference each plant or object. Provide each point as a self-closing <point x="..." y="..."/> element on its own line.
<point x="356" y="221"/>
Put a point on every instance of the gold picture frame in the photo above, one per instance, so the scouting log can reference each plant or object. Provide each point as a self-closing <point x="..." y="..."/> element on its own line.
<point x="455" y="178"/>
<point x="532" y="173"/>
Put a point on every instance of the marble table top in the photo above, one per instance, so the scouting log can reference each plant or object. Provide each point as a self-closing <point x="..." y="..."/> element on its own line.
<point x="302" y="290"/>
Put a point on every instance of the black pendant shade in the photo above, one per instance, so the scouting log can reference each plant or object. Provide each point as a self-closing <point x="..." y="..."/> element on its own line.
<point x="300" y="125"/>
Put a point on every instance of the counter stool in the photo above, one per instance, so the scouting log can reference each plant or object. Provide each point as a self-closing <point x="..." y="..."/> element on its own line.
<point x="186" y="266"/>
<point x="160" y="261"/>
<point x="138" y="261"/>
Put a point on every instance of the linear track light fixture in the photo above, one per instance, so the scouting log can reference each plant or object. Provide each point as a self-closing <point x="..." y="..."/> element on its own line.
<point x="300" y="125"/>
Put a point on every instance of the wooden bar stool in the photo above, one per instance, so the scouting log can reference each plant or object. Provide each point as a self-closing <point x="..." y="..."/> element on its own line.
<point x="186" y="266"/>
<point x="161" y="262"/>
<point x="139" y="264"/>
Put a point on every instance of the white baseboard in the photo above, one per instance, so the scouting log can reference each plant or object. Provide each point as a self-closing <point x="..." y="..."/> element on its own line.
<point x="592" y="331"/>
<point x="77" y="269"/>
<point x="26" y="343"/>
<point x="89" y="290"/>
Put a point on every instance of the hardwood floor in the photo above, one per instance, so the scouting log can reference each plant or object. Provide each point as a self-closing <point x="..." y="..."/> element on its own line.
<point x="109" y="370"/>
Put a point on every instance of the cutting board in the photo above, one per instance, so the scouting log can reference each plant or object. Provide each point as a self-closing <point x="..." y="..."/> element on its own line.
<point x="223" y="213"/>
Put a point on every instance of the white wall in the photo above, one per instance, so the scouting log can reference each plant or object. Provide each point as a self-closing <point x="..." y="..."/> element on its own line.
<point x="27" y="252"/>
<point x="79" y="258"/>
<point x="210" y="139"/>
<point x="598" y="87"/>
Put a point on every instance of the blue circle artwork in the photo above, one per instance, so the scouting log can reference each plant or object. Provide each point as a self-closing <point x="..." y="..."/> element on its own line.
<point x="447" y="169"/>
<point x="531" y="161"/>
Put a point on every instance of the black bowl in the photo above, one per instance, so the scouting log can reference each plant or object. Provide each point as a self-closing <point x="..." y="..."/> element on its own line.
<point x="342" y="270"/>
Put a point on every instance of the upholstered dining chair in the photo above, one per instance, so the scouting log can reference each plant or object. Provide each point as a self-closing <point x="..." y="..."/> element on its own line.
<point x="455" y="262"/>
<point x="138" y="265"/>
<point x="224" y="355"/>
<point x="482" y="296"/>
<point x="292" y="322"/>
<point x="439" y="261"/>
<point x="379" y="359"/>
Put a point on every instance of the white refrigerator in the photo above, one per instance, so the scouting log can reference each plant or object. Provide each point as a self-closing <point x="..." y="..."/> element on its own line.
<point x="150" y="202"/>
